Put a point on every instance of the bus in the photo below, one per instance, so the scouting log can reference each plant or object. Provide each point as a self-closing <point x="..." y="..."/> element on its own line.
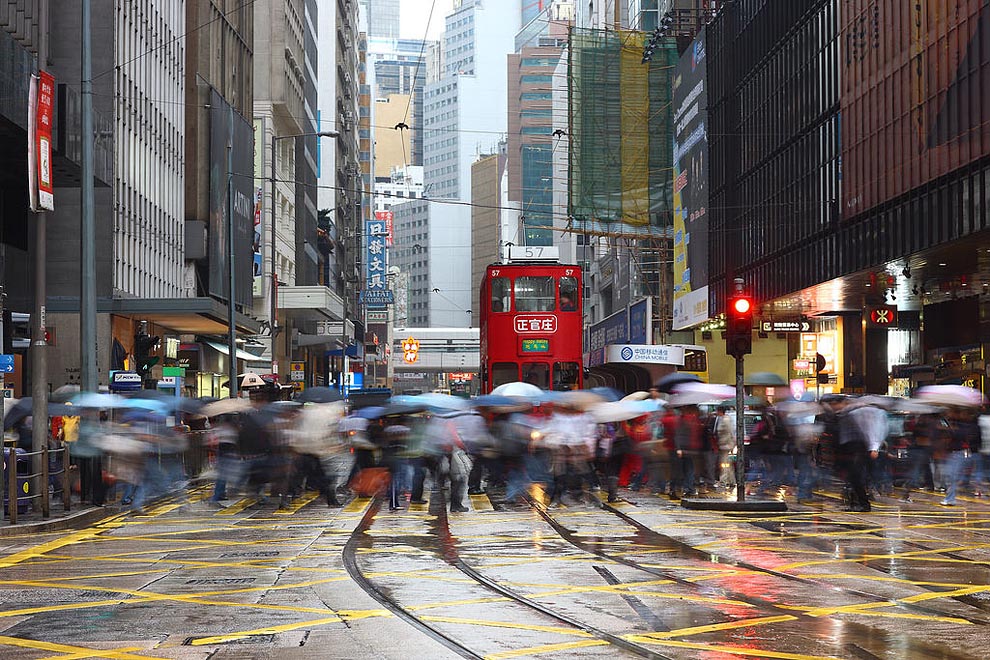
<point x="695" y="361"/>
<point x="531" y="325"/>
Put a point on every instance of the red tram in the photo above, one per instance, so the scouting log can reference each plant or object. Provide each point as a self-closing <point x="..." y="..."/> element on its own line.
<point x="531" y="326"/>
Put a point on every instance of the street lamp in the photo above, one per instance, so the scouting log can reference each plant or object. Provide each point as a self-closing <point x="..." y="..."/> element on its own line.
<point x="274" y="301"/>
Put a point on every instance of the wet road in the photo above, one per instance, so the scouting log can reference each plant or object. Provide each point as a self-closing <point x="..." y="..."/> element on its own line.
<point x="645" y="578"/>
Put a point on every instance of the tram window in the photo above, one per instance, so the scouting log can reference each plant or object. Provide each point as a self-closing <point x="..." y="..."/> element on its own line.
<point x="568" y="294"/>
<point x="565" y="376"/>
<point x="504" y="372"/>
<point x="534" y="294"/>
<point x="537" y="373"/>
<point x="501" y="294"/>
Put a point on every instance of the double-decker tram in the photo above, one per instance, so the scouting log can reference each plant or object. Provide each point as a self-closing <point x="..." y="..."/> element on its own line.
<point x="531" y="322"/>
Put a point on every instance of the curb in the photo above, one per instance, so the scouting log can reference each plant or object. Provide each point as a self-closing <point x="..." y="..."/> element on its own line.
<point x="701" y="504"/>
<point x="82" y="518"/>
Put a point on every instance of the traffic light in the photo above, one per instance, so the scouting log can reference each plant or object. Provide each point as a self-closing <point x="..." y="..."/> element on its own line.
<point x="143" y="345"/>
<point x="739" y="326"/>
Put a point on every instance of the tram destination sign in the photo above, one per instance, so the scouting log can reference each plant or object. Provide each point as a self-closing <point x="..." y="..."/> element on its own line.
<point x="796" y="325"/>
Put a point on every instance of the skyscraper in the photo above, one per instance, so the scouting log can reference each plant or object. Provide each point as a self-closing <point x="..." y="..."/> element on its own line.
<point x="383" y="18"/>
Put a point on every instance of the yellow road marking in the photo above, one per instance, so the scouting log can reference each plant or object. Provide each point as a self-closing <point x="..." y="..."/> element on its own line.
<point x="718" y="627"/>
<point x="548" y="648"/>
<point x="507" y="624"/>
<point x="44" y="548"/>
<point x="298" y="504"/>
<point x="95" y="653"/>
<point x="76" y="651"/>
<point x="272" y="630"/>
<point x="481" y="503"/>
<point x="237" y="507"/>
<point x="726" y="648"/>
<point x="888" y="615"/>
<point x="358" y="504"/>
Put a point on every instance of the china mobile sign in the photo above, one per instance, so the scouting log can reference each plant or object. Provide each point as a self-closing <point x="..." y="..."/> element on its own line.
<point x="539" y="323"/>
<point x="41" y="103"/>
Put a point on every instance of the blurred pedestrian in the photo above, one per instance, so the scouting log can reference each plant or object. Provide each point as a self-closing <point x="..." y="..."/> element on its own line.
<point x="688" y="444"/>
<point x="725" y="437"/>
<point x="963" y="436"/>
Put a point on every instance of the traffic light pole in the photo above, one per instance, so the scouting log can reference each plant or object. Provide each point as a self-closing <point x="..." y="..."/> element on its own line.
<point x="740" y="434"/>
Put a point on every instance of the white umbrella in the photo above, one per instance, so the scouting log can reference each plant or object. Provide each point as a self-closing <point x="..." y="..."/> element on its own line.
<point x="226" y="407"/>
<point x="712" y="391"/>
<point x="616" y="411"/>
<point x="636" y="396"/>
<point x="519" y="389"/>
<point x="951" y="395"/>
<point x="250" y="380"/>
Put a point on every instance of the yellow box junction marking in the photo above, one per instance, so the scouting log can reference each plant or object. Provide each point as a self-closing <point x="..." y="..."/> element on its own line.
<point x="237" y="507"/>
<point x="481" y="503"/>
<point x="75" y="651"/>
<point x="358" y="504"/>
<point x="297" y="504"/>
<point x="548" y="648"/>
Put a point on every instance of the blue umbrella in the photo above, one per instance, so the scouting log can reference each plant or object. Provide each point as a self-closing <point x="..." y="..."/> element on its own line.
<point x="608" y="393"/>
<point x="99" y="400"/>
<point x="494" y="401"/>
<point x="371" y="412"/>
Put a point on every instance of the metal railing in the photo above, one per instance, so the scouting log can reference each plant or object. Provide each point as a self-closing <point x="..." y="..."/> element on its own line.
<point x="17" y="482"/>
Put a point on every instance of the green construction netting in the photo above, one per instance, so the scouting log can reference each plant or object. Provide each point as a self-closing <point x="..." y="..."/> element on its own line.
<point x="621" y="131"/>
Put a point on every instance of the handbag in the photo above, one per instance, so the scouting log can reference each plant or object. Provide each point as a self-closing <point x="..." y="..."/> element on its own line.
<point x="370" y="482"/>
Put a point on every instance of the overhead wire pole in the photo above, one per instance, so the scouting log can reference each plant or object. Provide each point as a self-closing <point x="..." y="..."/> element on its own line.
<point x="231" y="272"/>
<point x="87" y="294"/>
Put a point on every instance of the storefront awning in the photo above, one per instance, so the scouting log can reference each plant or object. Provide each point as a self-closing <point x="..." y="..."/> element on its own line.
<point x="241" y="355"/>
<point x="194" y="316"/>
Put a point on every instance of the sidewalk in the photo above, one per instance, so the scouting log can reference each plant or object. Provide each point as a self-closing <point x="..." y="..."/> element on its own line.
<point x="80" y="514"/>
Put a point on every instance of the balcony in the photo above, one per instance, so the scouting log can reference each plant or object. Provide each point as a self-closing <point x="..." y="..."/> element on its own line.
<point x="310" y="303"/>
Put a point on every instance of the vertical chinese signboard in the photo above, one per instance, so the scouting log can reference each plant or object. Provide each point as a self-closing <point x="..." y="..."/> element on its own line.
<point x="375" y="266"/>
<point x="40" y="108"/>
<point x="387" y="218"/>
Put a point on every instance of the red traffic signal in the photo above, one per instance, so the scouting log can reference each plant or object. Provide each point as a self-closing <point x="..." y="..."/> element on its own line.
<point x="742" y="305"/>
<point x="739" y="326"/>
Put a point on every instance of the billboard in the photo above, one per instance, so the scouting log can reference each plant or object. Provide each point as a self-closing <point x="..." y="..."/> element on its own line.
<point x="258" y="284"/>
<point x="690" y="101"/>
<point x="40" y="109"/>
<point x="914" y="94"/>
<point x="388" y="218"/>
<point x="232" y="192"/>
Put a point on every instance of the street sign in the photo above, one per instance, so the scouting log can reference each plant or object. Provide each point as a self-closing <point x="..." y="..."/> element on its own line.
<point x="6" y="364"/>
<point x="179" y="372"/>
<point x="297" y="371"/>
<point x="168" y="381"/>
<point x="883" y="317"/>
<point x="8" y="392"/>
<point x="377" y="297"/>
<point x="377" y="317"/>
<point x="785" y="326"/>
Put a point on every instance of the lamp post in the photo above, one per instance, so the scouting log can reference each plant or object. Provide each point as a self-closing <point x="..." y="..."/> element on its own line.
<point x="273" y="312"/>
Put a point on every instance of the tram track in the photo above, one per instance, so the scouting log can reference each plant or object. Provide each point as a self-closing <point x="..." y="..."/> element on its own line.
<point x="447" y="552"/>
<point x="648" y="536"/>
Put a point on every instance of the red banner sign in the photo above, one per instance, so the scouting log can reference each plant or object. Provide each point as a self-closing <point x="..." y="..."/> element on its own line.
<point x="43" y="198"/>
<point x="540" y="323"/>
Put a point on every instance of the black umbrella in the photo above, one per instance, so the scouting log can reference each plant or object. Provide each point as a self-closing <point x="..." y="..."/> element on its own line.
<point x="395" y="409"/>
<point x="319" y="395"/>
<point x="670" y="381"/>
<point x="23" y="409"/>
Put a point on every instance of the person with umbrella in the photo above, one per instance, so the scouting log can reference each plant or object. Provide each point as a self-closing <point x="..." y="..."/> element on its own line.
<point x="963" y="437"/>
<point x="688" y="444"/>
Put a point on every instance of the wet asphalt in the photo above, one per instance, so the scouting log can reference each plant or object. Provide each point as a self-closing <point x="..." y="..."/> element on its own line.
<point x="641" y="578"/>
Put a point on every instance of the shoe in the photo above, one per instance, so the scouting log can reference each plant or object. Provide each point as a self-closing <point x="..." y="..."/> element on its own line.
<point x="456" y="508"/>
<point x="946" y="503"/>
<point x="475" y="491"/>
<point x="417" y="501"/>
<point x="126" y="501"/>
<point x="905" y="500"/>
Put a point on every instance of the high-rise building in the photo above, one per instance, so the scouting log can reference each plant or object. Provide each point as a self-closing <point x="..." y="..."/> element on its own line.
<point x="398" y="66"/>
<point x="383" y="18"/>
<point x="532" y="138"/>
<point x="464" y="111"/>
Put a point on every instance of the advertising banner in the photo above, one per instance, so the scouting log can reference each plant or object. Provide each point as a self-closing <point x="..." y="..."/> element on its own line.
<point x="914" y="99"/>
<point x="258" y="285"/>
<point x="232" y="200"/>
<point x="40" y="109"/>
<point x="611" y="330"/>
<point x="690" y="100"/>
<point x="387" y="218"/>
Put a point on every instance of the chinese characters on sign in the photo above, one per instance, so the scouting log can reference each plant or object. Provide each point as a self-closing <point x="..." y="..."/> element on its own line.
<point x="375" y="264"/>
<point x="535" y="323"/>
<point x="410" y="351"/>
<point x="40" y="107"/>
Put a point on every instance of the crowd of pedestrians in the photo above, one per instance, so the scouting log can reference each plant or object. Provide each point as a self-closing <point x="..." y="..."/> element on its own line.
<point x="570" y="446"/>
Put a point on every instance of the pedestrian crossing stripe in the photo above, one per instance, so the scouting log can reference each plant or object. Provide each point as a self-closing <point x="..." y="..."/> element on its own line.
<point x="299" y="503"/>
<point x="481" y="503"/>
<point x="237" y="507"/>
<point x="357" y="505"/>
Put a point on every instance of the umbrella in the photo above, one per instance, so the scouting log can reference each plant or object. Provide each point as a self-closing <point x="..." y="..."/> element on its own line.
<point x="371" y="412"/>
<point x="98" y="400"/>
<point x="319" y="395"/>
<point x="616" y="411"/>
<point x="913" y="407"/>
<point x="226" y="407"/>
<point x="713" y="391"/>
<point x="145" y="404"/>
<point x="437" y="401"/>
<point x="250" y="380"/>
<point x="668" y="382"/>
<point x="401" y="408"/>
<point x="950" y="395"/>
<point x="23" y="409"/>
<point x="697" y="397"/>
<point x="798" y="408"/>
<point x="64" y="393"/>
<point x="580" y="399"/>
<point x="607" y="393"/>
<point x="517" y="388"/>
<point x="765" y="379"/>
<point x="501" y="404"/>
<point x="636" y="396"/>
